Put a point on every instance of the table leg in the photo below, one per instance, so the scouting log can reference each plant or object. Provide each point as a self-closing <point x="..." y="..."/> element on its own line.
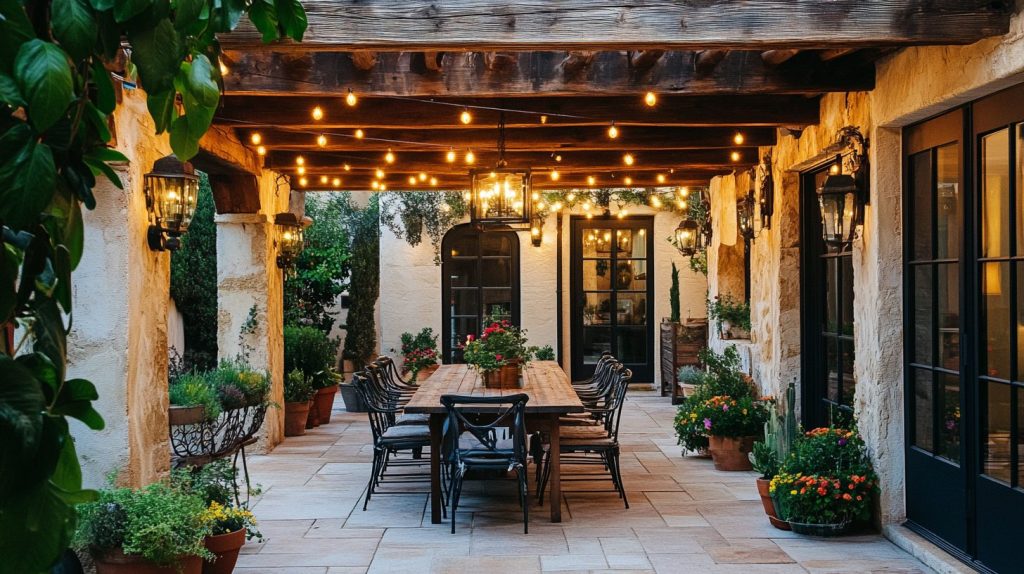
<point x="556" y="470"/>
<point x="436" y="430"/>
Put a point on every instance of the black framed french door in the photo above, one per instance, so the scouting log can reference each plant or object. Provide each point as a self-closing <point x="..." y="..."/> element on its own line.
<point x="612" y="293"/>
<point x="964" y="317"/>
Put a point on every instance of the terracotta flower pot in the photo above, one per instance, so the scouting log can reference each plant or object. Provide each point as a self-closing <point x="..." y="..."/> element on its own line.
<point x="425" y="372"/>
<point x="730" y="453"/>
<point x="325" y="402"/>
<point x="295" y="417"/>
<point x="313" y="417"/>
<point x="763" y="489"/>
<point x="117" y="562"/>
<point x="225" y="547"/>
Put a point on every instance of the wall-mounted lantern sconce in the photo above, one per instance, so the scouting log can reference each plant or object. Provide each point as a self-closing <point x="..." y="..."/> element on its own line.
<point x="536" y="233"/>
<point x="843" y="196"/>
<point x="745" y="212"/>
<point x="688" y="237"/>
<point x="172" y="190"/>
<point x="291" y="238"/>
<point x="766" y="198"/>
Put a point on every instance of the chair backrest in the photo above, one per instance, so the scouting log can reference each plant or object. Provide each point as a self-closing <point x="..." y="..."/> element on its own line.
<point x="599" y="369"/>
<point x="379" y="385"/>
<point x="511" y="414"/>
<point x="380" y="411"/>
<point x="617" y="399"/>
<point x="390" y="375"/>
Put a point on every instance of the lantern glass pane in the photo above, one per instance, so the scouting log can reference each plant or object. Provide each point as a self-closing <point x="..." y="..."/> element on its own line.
<point x="501" y="196"/>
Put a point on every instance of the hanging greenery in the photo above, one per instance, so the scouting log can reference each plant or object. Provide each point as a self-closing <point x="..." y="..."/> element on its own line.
<point x="57" y="98"/>
<point x="409" y="213"/>
<point x="322" y="269"/>
<point x="194" y="284"/>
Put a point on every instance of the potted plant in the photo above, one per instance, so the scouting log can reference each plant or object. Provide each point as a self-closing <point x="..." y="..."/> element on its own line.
<point x="238" y="385"/>
<point x="827" y="484"/>
<point x="689" y="379"/>
<point x="768" y="454"/>
<point x="499" y="353"/>
<point x="545" y="353"/>
<point x="732" y="424"/>
<point x="314" y="353"/>
<point x="722" y="376"/>
<point x="192" y="400"/>
<point x="765" y="461"/>
<point x="152" y="530"/>
<point x="419" y="353"/>
<point x="297" y="396"/>
<point x="731" y="316"/>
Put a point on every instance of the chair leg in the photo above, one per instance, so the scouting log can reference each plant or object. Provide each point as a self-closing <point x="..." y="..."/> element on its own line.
<point x="373" y="478"/>
<point x="523" y="498"/>
<point x="618" y="473"/>
<point x="545" y="475"/>
<point x="457" y="491"/>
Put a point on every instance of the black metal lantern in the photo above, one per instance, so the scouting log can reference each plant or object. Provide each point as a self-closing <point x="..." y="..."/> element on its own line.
<point x="688" y="237"/>
<point x="291" y="238"/>
<point x="172" y="190"/>
<point x="745" y="216"/>
<point x="501" y="195"/>
<point x="842" y="196"/>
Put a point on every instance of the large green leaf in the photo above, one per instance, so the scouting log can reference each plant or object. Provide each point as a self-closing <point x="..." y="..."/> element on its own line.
<point x="187" y="12"/>
<point x="231" y="12"/>
<point x="9" y="93"/>
<point x="74" y="26"/>
<point x="125" y="10"/>
<point x="161" y="108"/>
<point x="106" y="101"/>
<point x="292" y="17"/>
<point x="157" y="54"/>
<point x="50" y="334"/>
<point x="35" y="528"/>
<point x="15" y="30"/>
<point x="182" y="143"/>
<point x="101" y="5"/>
<point x="26" y="177"/>
<point x="43" y="75"/>
<point x="264" y="16"/>
<point x="200" y="81"/>
<point x="8" y="278"/>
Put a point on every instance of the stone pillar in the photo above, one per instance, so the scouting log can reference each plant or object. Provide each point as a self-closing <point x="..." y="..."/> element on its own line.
<point x="250" y="307"/>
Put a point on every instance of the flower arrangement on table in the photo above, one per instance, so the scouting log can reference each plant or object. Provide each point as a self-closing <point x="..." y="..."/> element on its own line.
<point x="500" y="347"/>
<point x="827" y="483"/>
<point x="419" y="351"/>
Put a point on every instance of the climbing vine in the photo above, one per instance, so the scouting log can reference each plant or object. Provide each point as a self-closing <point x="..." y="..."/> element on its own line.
<point x="56" y="98"/>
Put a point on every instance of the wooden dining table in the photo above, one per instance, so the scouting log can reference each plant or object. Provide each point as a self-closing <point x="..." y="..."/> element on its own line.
<point x="551" y="396"/>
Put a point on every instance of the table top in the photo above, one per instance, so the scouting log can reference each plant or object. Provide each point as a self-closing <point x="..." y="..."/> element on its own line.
<point x="544" y="381"/>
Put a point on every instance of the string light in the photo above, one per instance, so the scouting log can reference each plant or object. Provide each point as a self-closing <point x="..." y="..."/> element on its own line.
<point x="359" y="134"/>
<point x="543" y="119"/>
<point x="336" y="182"/>
<point x="542" y="206"/>
<point x="684" y="191"/>
<point x="586" y="206"/>
<point x="379" y="173"/>
<point x="465" y="117"/>
<point x="556" y="206"/>
<point x="570" y="197"/>
<point x="318" y="113"/>
<point x="445" y="207"/>
<point x="555" y="176"/>
<point x="303" y="181"/>
<point x="351" y="98"/>
<point x="627" y="180"/>
<point x="433" y="183"/>
<point x="470" y="157"/>
<point x="681" y="204"/>
<point x="651" y="99"/>
<point x="383" y="187"/>
<point x="661" y="178"/>
<point x="735" y="156"/>
<point x="591" y="180"/>
<point x="301" y="170"/>
<point x="256" y="138"/>
<point x="323" y="179"/>
<point x="321" y="140"/>
<point x="423" y="176"/>
<point x="613" y="132"/>
<point x="655" y="202"/>
<point x="389" y="157"/>
<point x="412" y="180"/>
<point x="833" y="169"/>
<point x="622" y="214"/>
<point x="628" y="159"/>
<point x="299" y="160"/>
<point x="347" y="167"/>
<point x="375" y="184"/>
<point x="450" y="156"/>
<point x="260" y="150"/>
<point x="535" y="196"/>
<point x="738" y="139"/>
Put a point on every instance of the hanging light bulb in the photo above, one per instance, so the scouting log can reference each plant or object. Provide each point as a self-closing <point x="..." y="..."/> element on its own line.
<point x="613" y="132"/>
<point x="661" y="178"/>
<point x="465" y="117"/>
<point x="260" y="150"/>
<point x="412" y="180"/>
<point x="336" y="182"/>
<point x="301" y="170"/>
<point x="543" y="119"/>
<point x="558" y="158"/>
<point x="681" y="204"/>
<point x="318" y="113"/>
<point x="303" y="181"/>
<point x="433" y="183"/>
<point x="591" y="180"/>
<point x="323" y="179"/>
<point x="555" y="175"/>
<point x="627" y="180"/>
<point x="389" y="157"/>
<point x="684" y="191"/>
<point x="359" y="134"/>
<point x="535" y="196"/>
<point x="628" y="159"/>
<point x="556" y="206"/>
<point x="450" y="156"/>
<point x="651" y="99"/>
<point x="375" y="184"/>
<point x="735" y="156"/>
<point x="351" y="98"/>
<point x="299" y="160"/>
<point x="622" y="214"/>
<point x="346" y="167"/>
<point x="383" y="187"/>
<point x="570" y="196"/>
<point x="470" y="157"/>
<point x="321" y="140"/>
<point x="256" y="138"/>
<point x="379" y="173"/>
<point x="738" y="139"/>
<point x="655" y="201"/>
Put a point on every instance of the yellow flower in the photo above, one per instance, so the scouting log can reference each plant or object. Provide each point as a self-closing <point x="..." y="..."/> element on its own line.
<point x="792" y="491"/>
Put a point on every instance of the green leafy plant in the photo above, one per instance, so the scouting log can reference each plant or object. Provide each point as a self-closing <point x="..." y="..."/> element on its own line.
<point x="360" y="330"/>
<point x="501" y="343"/>
<point x="322" y="269"/>
<point x="419" y="351"/>
<point x="215" y="484"/>
<point x="311" y="351"/>
<point x="59" y="98"/>
<point x="545" y="353"/>
<point x="239" y="385"/>
<point x="195" y="390"/>
<point x="722" y="377"/>
<point x="780" y="432"/>
<point x="194" y="283"/>
<point x="409" y="213"/>
<point x="158" y="523"/>
<point x="725" y="308"/>
<point x="297" y="388"/>
<point x="764" y="460"/>
<point x="673" y="294"/>
<point x="727" y="416"/>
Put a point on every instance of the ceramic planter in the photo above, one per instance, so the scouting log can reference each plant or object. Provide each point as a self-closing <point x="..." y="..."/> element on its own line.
<point x="325" y="402"/>
<point x="117" y="562"/>
<point x="225" y="547"/>
<point x="730" y="453"/>
<point x="295" y="417"/>
<point x="313" y="417"/>
<point x="350" y="396"/>
<point x="823" y="530"/>
<point x="768" y="503"/>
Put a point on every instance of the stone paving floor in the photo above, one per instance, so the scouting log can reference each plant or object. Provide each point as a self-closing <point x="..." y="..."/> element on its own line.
<point x="684" y="517"/>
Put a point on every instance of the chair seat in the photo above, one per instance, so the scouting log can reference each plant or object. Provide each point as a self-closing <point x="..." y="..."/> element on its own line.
<point x="413" y="419"/>
<point x="583" y="432"/>
<point x="406" y="432"/>
<point x="583" y="442"/>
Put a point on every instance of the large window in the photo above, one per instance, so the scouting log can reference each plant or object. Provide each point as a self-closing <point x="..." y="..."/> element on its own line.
<point x="480" y="271"/>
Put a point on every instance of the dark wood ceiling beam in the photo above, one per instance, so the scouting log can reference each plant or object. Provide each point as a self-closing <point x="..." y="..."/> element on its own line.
<point x="364" y="61"/>
<point x="468" y="74"/>
<point x="829" y="55"/>
<point x="543" y="138"/>
<point x="540" y="182"/>
<point x="772" y="58"/>
<point x="260" y="112"/>
<point x="635" y="24"/>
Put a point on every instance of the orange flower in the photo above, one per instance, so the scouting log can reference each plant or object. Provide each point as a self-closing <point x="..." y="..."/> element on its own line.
<point x="847" y="496"/>
<point x="851" y="486"/>
<point x="822" y="491"/>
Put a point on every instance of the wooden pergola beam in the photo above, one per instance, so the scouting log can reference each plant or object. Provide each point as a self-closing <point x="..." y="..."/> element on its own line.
<point x="537" y="73"/>
<point x="772" y="58"/>
<point x="635" y="24"/>
<point x="364" y="60"/>
<point x="541" y="182"/>
<point x="262" y="112"/>
<point x="541" y="138"/>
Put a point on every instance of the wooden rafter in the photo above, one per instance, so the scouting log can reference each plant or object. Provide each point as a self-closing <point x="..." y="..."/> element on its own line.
<point x="460" y="182"/>
<point x="636" y="24"/>
<point x="462" y="74"/>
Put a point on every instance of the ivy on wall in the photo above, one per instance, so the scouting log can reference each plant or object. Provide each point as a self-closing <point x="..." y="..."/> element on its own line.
<point x="56" y="99"/>
<point x="194" y="283"/>
<point x="322" y="269"/>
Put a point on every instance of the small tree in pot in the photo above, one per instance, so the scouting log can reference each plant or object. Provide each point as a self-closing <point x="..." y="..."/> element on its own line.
<point x="313" y="352"/>
<point x="297" y="395"/>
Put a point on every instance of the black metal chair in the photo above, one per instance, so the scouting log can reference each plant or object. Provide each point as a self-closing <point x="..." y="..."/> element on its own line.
<point x="390" y="438"/>
<point x="392" y="377"/>
<point x="594" y="445"/>
<point x="485" y="448"/>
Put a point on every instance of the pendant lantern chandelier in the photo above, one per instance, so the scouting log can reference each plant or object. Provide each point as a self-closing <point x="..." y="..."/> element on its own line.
<point x="501" y="194"/>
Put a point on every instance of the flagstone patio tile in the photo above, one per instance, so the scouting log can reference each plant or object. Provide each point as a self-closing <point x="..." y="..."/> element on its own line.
<point x="627" y="561"/>
<point x="485" y="564"/>
<point x="572" y="562"/>
<point x="284" y="570"/>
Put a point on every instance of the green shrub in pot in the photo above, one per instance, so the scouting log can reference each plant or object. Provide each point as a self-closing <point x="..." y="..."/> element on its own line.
<point x="312" y="352"/>
<point x="195" y="389"/>
<point x="239" y="385"/>
<point x="297" y="388"/>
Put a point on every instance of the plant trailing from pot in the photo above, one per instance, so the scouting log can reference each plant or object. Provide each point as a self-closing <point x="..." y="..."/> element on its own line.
<point x="732" y="425"/>
<point x="732" y="317"/>
<point x="827" y="484"/>
<point x="419" y="352"/>
<point x="297" y="395"/>
<point x="153" y="529"/>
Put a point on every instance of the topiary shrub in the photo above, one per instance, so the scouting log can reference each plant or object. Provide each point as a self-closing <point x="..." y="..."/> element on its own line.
<point x="310" y="351"/>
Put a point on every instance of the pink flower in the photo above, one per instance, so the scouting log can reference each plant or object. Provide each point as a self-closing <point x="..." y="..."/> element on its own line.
<point x="725" y="407"/>
<point x="497" y="357"/>
<point x="469" y="337"/>
<point x="707" y="424"/>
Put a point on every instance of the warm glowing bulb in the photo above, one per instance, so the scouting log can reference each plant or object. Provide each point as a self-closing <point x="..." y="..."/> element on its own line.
<point x="465" y="117"/>
<point x="336" y="182"/>
<point x="351" y="98"/>
<point x="570" y="197"/>
<point x="628" y="180"/>
<point x="558" y="158"/>
<point x="661" y="178"/>
<point x="535" y="196"/>
<point x="303" y="181"/>
<point x="375" y="184"/>
<point x="318" y="113"/>
<point x="412" y="180"/>
<point x="450" y="157"/>
<point x="543" y="119"/>
<point x="655" y="201"/>
<point x="470" y="157"/>
<point x="346" y="167"/>
<point x="433" y="183"/>
<point x="321" y="140"/>
<point x="423" y="176"/>
<point x="323" y="179"/>
<point x="628" y="159"/>
<point x="359" y="134"/>
<point x="542" y="206"/>
<point x="555" y="175"/>
<point x="684" y="191"/>
<point x="223" y="69"/>
<point x="389" y="157"/>
<point x="591" y="180"/>
<point x="299" y="160"/>
<point x="738" y="138"/>
<point x="535" y="231"/>
<point x="613" y="132"/>
<point x="301" y="170"/>
<point x="735" y="156"/>
<point x="834" y="169"/>
<point x="383" y="187"/>
<point x="622" y="214"/>
<point x="650" y="98"/>
<point x="379" y="173"/>
<point x="681" y="204"/>
<point x="586" y="206"/>
<point x="556" y="206"/>
<point x="590" y="216"/>
<point x="256" y="138"/>
<point x="261" y="150"/>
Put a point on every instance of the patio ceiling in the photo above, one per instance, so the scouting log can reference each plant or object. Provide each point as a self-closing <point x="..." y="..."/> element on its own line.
<point x="563" y="72"/>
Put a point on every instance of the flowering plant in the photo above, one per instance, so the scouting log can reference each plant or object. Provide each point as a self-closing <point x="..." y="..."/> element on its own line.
<point x="226" y="519"/>
<point x="726" y="416"/>
<point x="824" y="499"/>
<point x="501" y="343"/>
<point x="829" y="450"/>
<point x="419" y="351"/>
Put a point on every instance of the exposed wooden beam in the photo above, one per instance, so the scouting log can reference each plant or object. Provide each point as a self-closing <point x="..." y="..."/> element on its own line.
<point x="707" y="60"/>
<point x="537" y="73"/>
<point x="501" y="61"/>
<point x="541" y="138"/>
<point x="635" y="24"/>
<point x="829" y="55"/>
<point x="244" y="111"/>
<point x="541" y="181"/>
<point x="772" y="58"/>
<point x="432" y="61"/>
<point x="364" y="60"/>
<point x="643" y="60"/>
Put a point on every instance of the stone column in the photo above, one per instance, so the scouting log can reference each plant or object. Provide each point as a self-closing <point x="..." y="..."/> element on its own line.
<point x="250" y="307"/>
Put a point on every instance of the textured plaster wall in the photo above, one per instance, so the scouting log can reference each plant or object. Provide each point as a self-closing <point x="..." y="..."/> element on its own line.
<point x="119" y="334"/>
<point x="411" y="284"/>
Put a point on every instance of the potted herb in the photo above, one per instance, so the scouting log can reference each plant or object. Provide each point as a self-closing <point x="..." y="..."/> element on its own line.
<point x="152" y="530"/>
<point x="731" y="316"/>
<point x="238" y="386"/>
<point x="545" y="353"/>
<point x="732" y="425"/>
<point x="297" y="396"/>
<point x="419" y="353"/>
<point x="192" y="400"/>
<point x="827" y="484"/>
<point x="314" y="353"/>
<point x="689" y="379"/>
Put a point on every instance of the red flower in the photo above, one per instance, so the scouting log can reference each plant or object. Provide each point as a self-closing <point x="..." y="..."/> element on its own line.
<point x="469" y="337"/>
<point x="497" y="357"/>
